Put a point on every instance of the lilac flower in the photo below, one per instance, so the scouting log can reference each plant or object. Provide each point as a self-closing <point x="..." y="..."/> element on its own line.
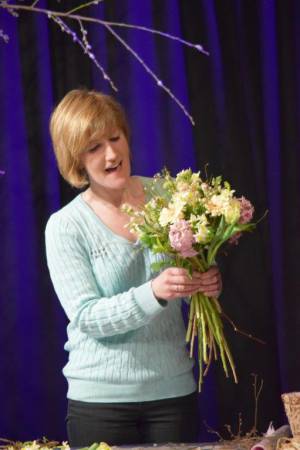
<point x="247" y="210"/>
<point x="181" y="238"/>
<point x="246" y="214"/>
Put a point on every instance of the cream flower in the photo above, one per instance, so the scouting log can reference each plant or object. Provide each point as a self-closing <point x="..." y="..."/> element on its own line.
<point x="195" y="179"/>
<point x="165" y="217"/>
<point x="190" y="196"/>
<point x="182" y="186"/>
<point x="224" y="204"/>
<point x="172" y="213"/>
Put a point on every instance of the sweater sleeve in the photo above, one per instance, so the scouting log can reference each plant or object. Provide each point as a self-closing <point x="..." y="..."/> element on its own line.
<point x="77" y="289"/>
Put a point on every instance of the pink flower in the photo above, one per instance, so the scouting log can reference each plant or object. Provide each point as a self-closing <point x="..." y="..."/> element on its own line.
<point x="247" y="210"/>
<point x="246" y="214"/>
<point x="181" y="238"/>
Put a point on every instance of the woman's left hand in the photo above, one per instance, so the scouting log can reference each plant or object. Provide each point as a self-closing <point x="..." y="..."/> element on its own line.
<point x="210" y="282"/>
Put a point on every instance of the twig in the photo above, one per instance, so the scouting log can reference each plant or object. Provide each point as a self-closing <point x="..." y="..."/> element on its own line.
<point x="150" y="72"/>
<point x="237" y="330"/>
<point x="109" y="26"/>
<point x="85" y="5"/>
<point x="257" y="393"/>
<point x="160" y="33"/>
<point x="212" y="431"/>
<point x="84" y="44"/>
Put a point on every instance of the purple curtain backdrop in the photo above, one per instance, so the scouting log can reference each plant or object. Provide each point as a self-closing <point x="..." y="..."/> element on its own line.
<point x="245" y="98"/>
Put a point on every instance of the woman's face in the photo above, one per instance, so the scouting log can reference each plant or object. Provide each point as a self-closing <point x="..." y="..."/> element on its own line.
<point x="106" y="160"/>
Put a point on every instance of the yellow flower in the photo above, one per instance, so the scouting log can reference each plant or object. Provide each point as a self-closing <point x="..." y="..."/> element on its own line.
<point x="199" y="225"/>
<point x="202" y="233"/>
<point x="32" y="446"/>
<point x="104" y="446"/>
<point x="232" y="211"/>
<point x="183" y="175"/>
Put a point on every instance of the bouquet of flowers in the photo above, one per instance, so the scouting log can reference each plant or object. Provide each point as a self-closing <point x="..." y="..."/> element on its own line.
<point x="189" y="219"/>
<point x="45" y="444"/>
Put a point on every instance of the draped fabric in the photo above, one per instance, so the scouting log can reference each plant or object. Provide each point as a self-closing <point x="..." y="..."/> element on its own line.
<point x="245" y="99"/>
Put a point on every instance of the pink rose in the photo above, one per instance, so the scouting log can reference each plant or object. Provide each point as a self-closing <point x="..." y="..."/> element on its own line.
<point x="181" y="238"/>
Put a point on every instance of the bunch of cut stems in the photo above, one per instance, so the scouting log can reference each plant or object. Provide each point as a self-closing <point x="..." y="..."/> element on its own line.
<point x="205" y="323"/>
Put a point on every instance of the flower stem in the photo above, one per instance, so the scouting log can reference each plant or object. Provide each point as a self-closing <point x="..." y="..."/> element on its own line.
<point x="190" y="323"/>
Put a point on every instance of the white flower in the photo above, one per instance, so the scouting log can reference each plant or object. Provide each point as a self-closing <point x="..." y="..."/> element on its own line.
<point x="173" y="213"/>
<point x="165" y="217"/>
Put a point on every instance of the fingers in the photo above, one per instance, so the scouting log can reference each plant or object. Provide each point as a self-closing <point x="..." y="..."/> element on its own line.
<point x="175" y="283"/>
<point x="210" y="273"/>
<point x="177" y="271"/>
<point x="209" y="281"/>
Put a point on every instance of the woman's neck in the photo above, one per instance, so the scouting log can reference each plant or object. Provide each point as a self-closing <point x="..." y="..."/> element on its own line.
<point x="114" y="198"/>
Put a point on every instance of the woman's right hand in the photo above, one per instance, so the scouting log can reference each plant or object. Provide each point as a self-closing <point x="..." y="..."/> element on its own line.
<point x="175" y="283"/>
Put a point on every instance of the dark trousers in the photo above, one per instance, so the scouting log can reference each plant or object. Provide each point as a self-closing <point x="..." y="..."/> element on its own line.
<point x="160" y="421"/>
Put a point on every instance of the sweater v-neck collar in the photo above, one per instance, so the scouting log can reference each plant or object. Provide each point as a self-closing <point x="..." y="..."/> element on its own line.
<point x="98" y="219"/>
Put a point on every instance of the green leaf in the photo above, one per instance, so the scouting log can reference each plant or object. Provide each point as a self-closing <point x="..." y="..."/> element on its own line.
<point x="157" y="266"/>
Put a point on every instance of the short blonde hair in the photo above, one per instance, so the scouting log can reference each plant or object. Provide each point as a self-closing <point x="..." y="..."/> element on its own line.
<point x="80" y="115"/>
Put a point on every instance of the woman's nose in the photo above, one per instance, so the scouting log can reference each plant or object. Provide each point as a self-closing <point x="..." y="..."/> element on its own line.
<point x="110" y="151"/>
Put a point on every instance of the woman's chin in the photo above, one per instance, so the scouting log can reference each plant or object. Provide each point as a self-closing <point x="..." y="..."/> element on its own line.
<point x="119" y="181"/>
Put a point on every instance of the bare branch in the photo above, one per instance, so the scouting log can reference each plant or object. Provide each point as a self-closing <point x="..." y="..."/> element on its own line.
<point x="150" y="72"/>
<point x="86" y="47"/>
<point x="160" y="33"/>
<point x="85" y="5"/>
<point x="57" y="17"/>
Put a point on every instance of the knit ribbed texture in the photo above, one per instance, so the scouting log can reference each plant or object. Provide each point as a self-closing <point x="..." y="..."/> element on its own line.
<point x="123" y="344"/>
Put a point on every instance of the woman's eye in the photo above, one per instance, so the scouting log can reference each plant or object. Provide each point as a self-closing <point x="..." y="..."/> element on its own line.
<point x="94" y="148"/>
<point x="114" y="138"/>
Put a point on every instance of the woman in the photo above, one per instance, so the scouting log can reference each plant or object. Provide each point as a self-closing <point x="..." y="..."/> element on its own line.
<point x="129" y="375"/>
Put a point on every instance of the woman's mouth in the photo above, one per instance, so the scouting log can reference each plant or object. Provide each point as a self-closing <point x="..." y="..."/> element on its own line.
<point x="114" y="168"/>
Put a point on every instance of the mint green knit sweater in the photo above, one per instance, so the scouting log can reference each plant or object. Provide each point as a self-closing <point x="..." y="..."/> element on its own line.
<point x="123" y="344"/>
